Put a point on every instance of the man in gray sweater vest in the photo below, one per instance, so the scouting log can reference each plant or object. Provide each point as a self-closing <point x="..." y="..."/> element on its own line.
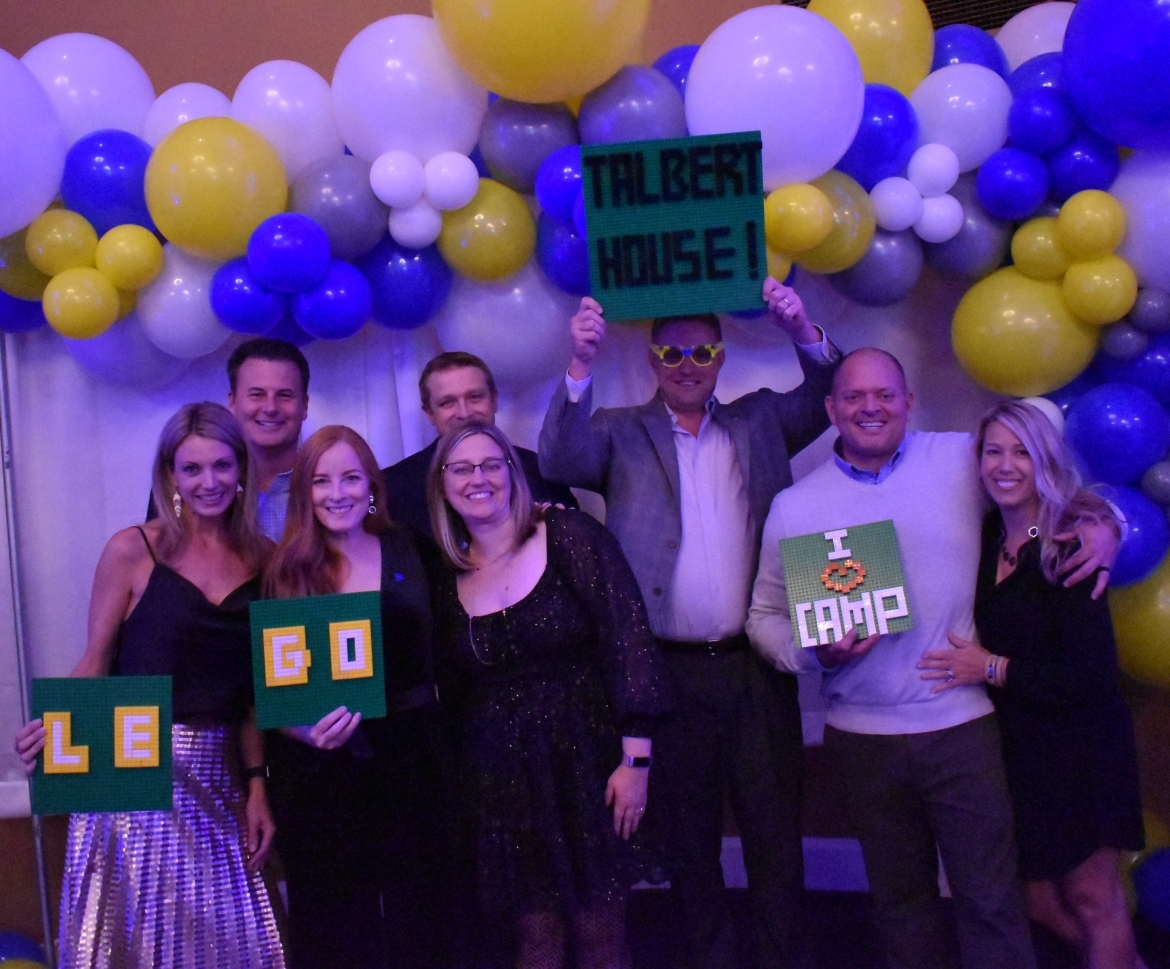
<point x="921" y="765"/>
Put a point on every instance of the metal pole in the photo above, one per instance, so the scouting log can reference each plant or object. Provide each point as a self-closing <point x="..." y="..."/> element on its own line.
<point x="18" y="617"/>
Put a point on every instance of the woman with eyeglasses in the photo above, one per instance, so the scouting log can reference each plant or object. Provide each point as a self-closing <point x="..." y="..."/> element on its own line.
<point x="557" y="683"/>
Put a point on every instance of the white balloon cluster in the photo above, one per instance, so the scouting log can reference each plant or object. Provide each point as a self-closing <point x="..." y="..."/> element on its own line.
<point x="418" y="194"/>
<point x="920" y="200"/>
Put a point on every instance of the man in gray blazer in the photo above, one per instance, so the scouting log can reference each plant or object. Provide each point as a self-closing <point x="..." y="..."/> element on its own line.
<point x="687" y="483"/>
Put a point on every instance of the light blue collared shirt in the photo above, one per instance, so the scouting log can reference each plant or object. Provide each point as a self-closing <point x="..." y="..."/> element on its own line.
<point x="861" y="474"/>
<point x="272" y="506"/>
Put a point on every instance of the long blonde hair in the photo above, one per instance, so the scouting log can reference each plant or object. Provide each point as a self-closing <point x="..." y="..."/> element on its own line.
<point x="215" y="423"/>
<point x="1065" y="502"/>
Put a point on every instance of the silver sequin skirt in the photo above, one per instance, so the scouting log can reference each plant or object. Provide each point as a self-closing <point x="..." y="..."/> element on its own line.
<point x="156" y="888"/>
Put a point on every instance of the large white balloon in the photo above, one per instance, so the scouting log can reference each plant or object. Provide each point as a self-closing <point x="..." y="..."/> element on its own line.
<point x="965" y="107"/>
<point x="789" y="74"/>
<point x="180" y="104"/>
<point x="93" y="83"/>
<point x="124" y="357"/>
<point x="519" y="326"/>
<point x="1037" y="30"/>
<point x="32" y="147"/>
<point x="1143" y="188"/>
<point x="397" y="86"/>
<point x="292" y="106"/>
<point x="175" y="310"/>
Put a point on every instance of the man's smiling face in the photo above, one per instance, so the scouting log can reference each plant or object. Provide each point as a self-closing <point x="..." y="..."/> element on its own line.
<point x="869" y="406"/>
<point x="270" y="402"/>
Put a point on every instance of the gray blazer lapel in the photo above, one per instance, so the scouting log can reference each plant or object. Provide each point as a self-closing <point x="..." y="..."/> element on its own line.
<point x="657" y="423"/>
<point x="741" y="437"/>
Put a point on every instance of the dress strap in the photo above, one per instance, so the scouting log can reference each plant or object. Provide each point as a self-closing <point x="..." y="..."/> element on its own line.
<point x="153" y="557"/>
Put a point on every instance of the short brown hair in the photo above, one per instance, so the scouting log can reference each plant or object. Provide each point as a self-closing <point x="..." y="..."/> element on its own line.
<point x="707" y="319"/>
<point x="452" y="361"/>
<point x="271" y="349"/>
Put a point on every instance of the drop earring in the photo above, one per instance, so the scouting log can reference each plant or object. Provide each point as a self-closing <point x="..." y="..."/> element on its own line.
<point x="373" y="508"/>
<point x="177" y="504"/>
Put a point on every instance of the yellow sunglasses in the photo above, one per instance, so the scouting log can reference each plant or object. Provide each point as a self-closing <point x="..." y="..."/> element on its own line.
<point x="702" y="355"/>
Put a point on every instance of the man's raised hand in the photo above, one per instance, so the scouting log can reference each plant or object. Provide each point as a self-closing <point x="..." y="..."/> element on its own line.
<point x="587" y="329"/>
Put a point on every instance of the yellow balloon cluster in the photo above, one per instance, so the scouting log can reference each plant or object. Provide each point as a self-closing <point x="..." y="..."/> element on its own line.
<point x="893" y="39"/>
<point x="1141" y="623"/>
<point x="1037" y="251"/>
<point x="797" y="217"/>
<point x="492" y="237"/>
<point x="18" y="276"/>
<point x="130" y="256"/>
<point x="852" y="230"/>
<point x="80" y="303"/>
<point x="58" y="240"/>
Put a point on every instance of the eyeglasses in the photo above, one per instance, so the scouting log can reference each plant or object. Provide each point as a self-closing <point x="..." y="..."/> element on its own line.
<point x="491" y="467"/>
<point x="701" y="356"/>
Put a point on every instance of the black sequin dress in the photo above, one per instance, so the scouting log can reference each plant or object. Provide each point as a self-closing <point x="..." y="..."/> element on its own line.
<point x="545" y="690"/>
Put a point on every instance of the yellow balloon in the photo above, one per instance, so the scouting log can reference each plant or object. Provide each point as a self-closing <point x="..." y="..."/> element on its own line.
<point x="893" y="39"/>
<point x="80" y="303"/>
<point x="58" y="240"/>
<point x="1090" y="225"/>
<point x="130" y="256"/>
<point x="1101" y="290"/>
<point x="210" y="182"/>
<point x="1141" y="623"/>
<point x="492" y="237"/>
<point x="18" y="276"/>
<point x="533" y="50"/>
<point x="1016" y="336"/>
<point x="797" y="217"/>
<point x="853" y="226"/>
<point x="779" y="265"/>
<point x="1036" y="250"/>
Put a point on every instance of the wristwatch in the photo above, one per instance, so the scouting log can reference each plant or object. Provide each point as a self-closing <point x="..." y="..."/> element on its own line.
<point x="631" y="761"/>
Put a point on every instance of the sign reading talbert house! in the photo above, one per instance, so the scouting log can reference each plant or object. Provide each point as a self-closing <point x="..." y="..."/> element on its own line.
<point x="675" y="226"/>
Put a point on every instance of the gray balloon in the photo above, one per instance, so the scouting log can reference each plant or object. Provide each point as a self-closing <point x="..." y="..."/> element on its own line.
<point x="886" y="273"/>
<point x="335" y="193"/>
<point x="636" y="104"/>
<point x="1123" y="341"/>
<point x="1151" y="312"/>
<point x="1156" y="483"/>
<point x="981" y="244"/>
<point x="516" y="138"/>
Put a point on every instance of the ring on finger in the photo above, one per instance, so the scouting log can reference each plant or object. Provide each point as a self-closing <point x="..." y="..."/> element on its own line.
<point x="950" y="676"/>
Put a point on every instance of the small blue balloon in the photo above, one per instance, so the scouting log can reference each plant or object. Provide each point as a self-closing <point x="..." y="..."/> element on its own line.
<point x="104" y="180"/>
<point x="241" y="302"/>
<point x="1147" y="537"/>
<point x="1117" y="431"/>
<point x="288" y="252"/>
<point x="289" y="331"/>
<point x="20" y="315"/>
<point x="563" y="255"/>
<point x="579" y="221"/>
<point x="886" y="273"/>
<point x="1150" y="370"/>
<point x="1151" y="883"/>
<point x="885" y="139"/>
<point x="1041" y="120"/>
<point x="408" y="286"/>
<point x="636" y="104"/>
<point x="964" y="44"/>
<point x="338" y="306"/>
<point x="1085" y="161"/>
<point x="676" y="65"/>
<point x="1064" y="397"/>
<point x="1043" y="70"/>
<point x="559" y="182"/>
<point x="13" y="945"/>
<point x="1012" y="184"/>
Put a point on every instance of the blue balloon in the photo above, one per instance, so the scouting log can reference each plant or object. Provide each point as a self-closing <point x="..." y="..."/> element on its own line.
<point x="636" y="104"/>
<point x="563" y="255"/>
<point x="288" y="252"/>
<point x="885" y="140"/>
<point x="1012" y="184"/>
<point x="579" y="222"/>
<point x="1085" y="161"/>
<point x="1117" y="431"/>
<point x="964" y="44"/>
<point x="20" y="315"/>
<point x="1151" y="882"/>
<point x="241" y="302"/>
<point x="1150" y="370"/>
<point x="289" y="331"/>
<point x="13" y="945"/>
<point x="886" y="273"/>
<point x="559" y="182"/>
<point x="1041" y="120"/>
<point x="1064" y="397"/>
<point x="103" y="180"/>
<point x="1043" y="70"/>
<point x="123" y="356"/>
<point x="408" y="286"/>
<point x="338" y="306"/>
<point x="1146" y="540"/>
<point x="1117" y="54"/>
<point x="676" y="65"/>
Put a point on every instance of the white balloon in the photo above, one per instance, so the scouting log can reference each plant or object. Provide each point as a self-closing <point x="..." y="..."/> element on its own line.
<point x="897" y="204"/>
<point x="93" y="84"/>
<point x="180" y="104"/>
<point x="1037" y="30"/>
<point x="416" y="226"/>
<point x="1050" y="410"/>
<point x="292" y="106"/>
<point x="32" y="147"/>
<point x="933" y="170"/>
<point x="451" y="181"/>
<point x="965" y="107"/>
<point x="789" y="74"/>
<point x="124" y="357"/>
<point x="519" y="326"/>
<point x="397" y="86"/>
<point x="397" y="178"/>
<point x="942" y="218"/>
<point x="1143" y="189"/>
<point x="175" y="310"/>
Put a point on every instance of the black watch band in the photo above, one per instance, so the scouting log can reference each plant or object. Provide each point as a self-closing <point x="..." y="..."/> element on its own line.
<point x="630" y="761"/>
<point x="249" y="772"/>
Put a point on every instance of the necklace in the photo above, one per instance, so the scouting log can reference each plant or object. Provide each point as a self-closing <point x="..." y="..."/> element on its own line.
<point x="1013" y="559"/>
<point x="471" y="638"/>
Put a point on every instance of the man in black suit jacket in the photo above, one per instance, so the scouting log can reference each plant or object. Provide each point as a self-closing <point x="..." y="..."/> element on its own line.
<point x="455" y="387"/>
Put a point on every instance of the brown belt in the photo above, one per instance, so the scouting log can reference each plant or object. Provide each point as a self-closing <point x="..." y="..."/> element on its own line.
<point x="714" y="647"/>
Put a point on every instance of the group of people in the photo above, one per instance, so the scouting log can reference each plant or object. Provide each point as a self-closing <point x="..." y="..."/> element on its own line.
<point x="553" y="683"/>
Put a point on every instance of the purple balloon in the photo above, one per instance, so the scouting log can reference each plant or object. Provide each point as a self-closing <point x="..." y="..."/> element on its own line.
<point x="676" y="65"/>
<point x="124" y="357"/>
<point x="886" y="273"/>
<point x="408" y="286"/>
<point x="1086" y="161"/>
<point x="636" y="104"/>
<point x="981" y="244"/>
<point x="516" y="137"/>
<point x="558" y="183"/>
<point x="563" y="255"/>
<point x="337" y="307"/>
<point x="335" y="193"/>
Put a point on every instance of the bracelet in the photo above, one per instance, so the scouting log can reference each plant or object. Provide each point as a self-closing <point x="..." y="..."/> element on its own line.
<point x="996" y="670"/>
<point x="261" y="770"/>
<point x="631" y="761"/>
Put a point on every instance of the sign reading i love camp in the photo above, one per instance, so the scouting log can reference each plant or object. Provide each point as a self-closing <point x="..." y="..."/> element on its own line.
<point x="313" y="655"/>
<point x="676" y="226"/>
<point x="842" y="578"/>
<point x="108" y="746"/>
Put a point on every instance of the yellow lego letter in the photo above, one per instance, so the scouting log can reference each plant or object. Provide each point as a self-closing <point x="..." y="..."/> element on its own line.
<point x="351" y="651"/>
<point x="61" y="757"/>
<point x="286" y="658"/>
<point x="136" y="737"/>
